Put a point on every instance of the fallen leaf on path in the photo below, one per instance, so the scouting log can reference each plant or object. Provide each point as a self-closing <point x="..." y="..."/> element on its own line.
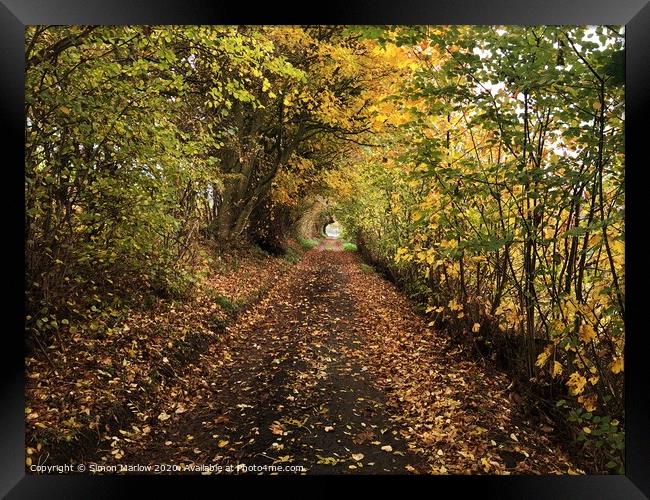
<point x="276" y="428"/>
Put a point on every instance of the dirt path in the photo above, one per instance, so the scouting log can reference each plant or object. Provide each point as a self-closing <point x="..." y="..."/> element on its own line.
<point x="332" y="371"/>
<point x="331" y="244"/>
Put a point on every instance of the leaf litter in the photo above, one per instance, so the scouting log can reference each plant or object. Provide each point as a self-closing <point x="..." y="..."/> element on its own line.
<point x="331" y="370"/>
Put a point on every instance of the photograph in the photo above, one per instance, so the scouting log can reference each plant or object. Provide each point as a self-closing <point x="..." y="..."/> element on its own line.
<point x="331" y="249"/>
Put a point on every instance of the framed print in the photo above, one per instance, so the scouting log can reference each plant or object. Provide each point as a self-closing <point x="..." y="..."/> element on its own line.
<point x="385" y="240"/>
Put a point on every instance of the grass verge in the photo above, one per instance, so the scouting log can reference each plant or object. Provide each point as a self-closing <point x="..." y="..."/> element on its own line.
<point x="308" y="243"/>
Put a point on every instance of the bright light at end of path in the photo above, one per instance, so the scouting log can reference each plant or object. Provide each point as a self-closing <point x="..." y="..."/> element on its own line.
<point x="333" y="230"/>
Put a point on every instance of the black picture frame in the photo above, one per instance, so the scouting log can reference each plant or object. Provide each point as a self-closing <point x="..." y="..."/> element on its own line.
<point x="634" y="14"/>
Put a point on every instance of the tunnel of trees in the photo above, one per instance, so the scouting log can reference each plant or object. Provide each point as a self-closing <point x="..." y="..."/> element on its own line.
<point x="480" y="168"/>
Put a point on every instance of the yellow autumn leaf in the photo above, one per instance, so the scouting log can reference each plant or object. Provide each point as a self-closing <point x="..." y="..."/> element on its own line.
<point x="588" y="402"/>
<point x="617" y="365"/>
<point x="542" y="358"/>
<point x="455" y="306"/>
<point x="557" y="369"/>
<point x="587" y="332"/>
<point x="476" y="327"/>
<point x="576" y="383"/>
